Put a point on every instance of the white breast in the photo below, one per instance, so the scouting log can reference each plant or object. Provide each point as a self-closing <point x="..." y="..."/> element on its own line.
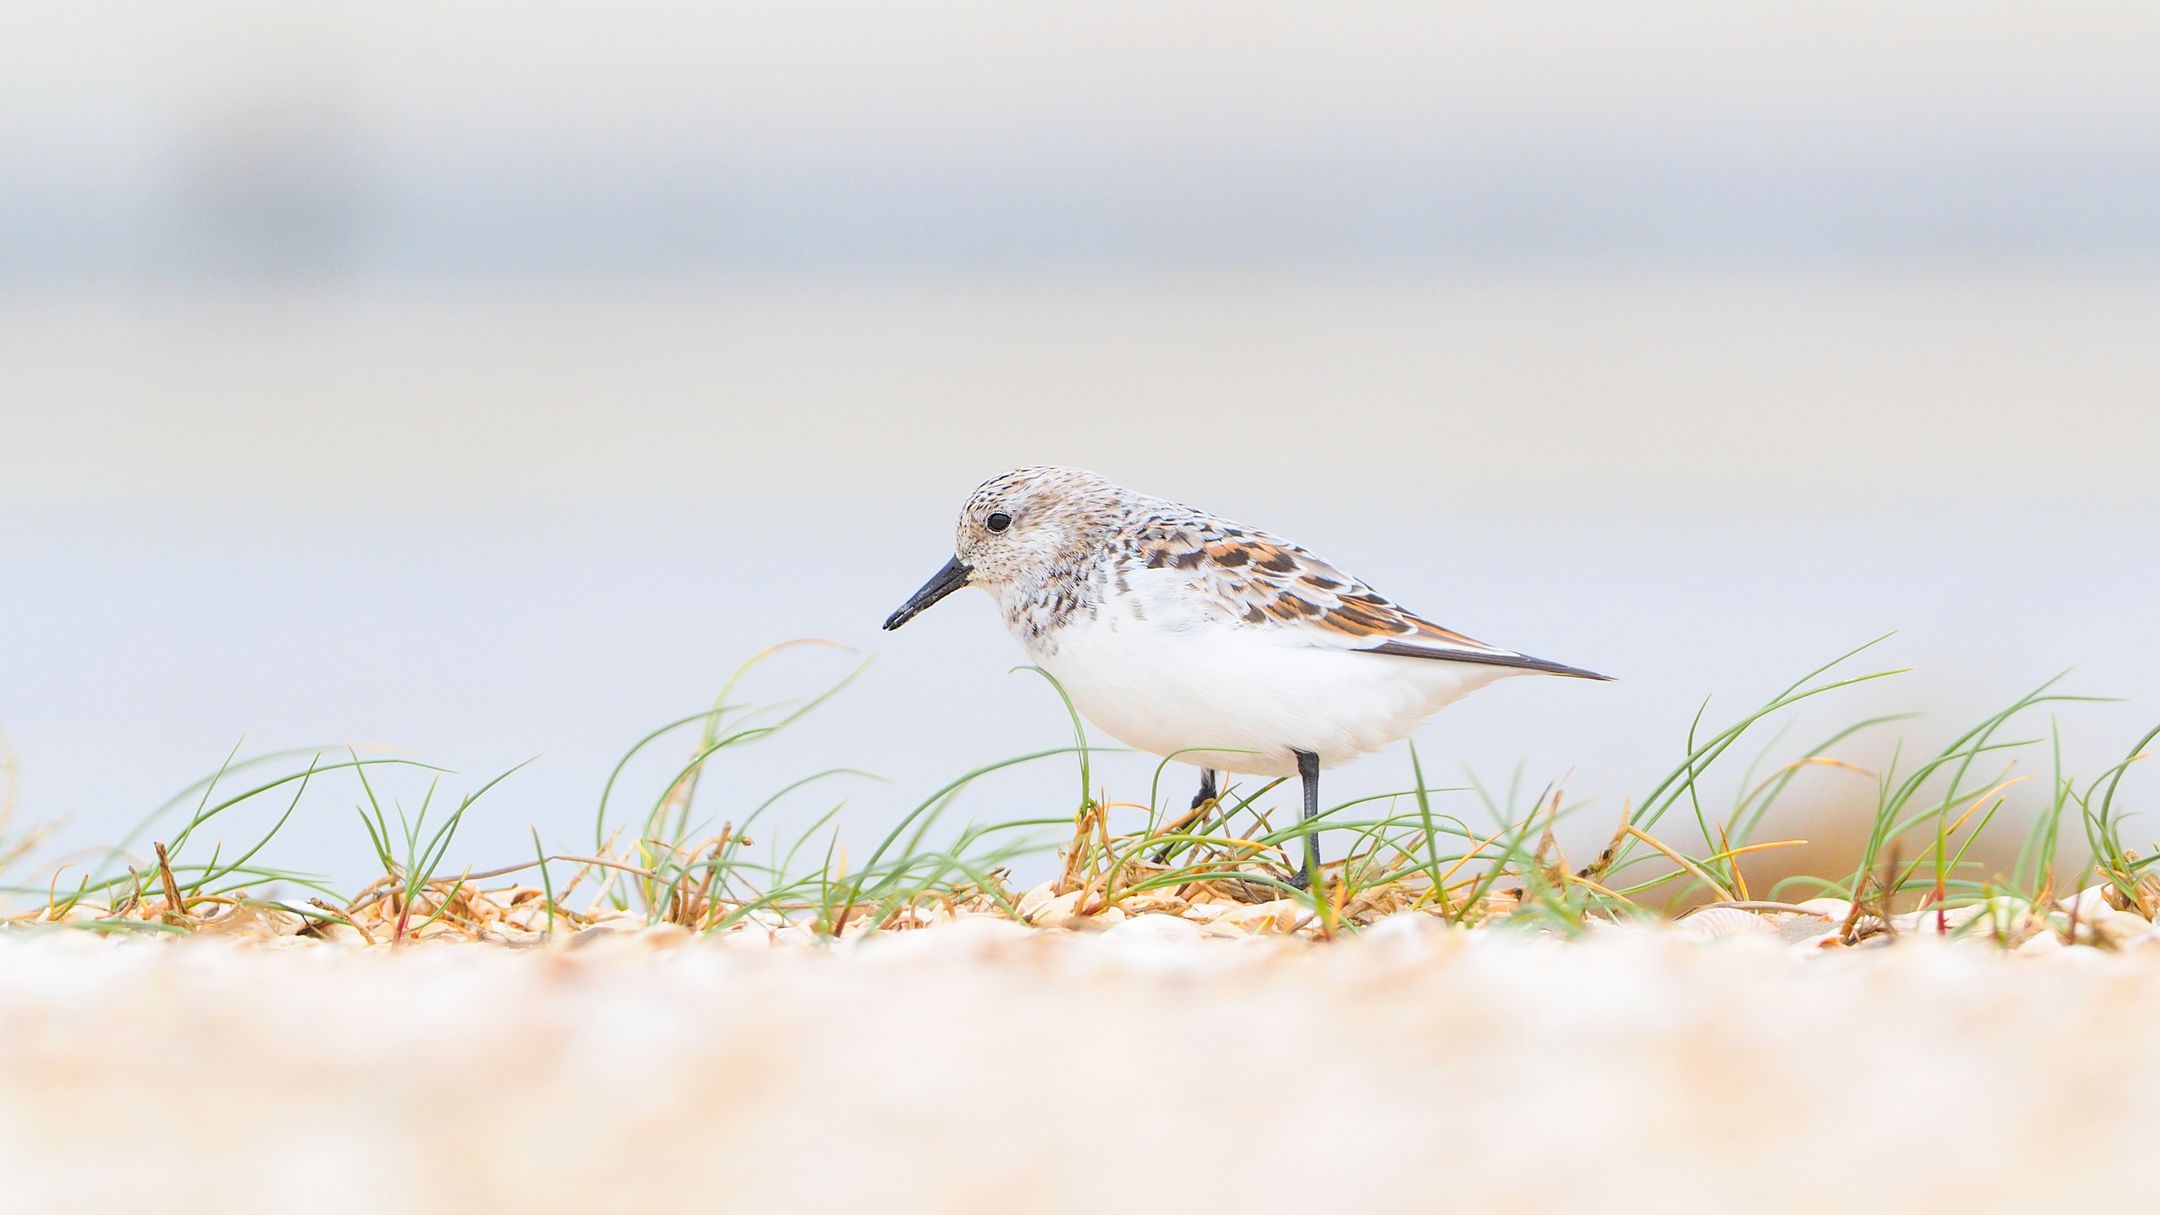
<point x="1245" y="697"/>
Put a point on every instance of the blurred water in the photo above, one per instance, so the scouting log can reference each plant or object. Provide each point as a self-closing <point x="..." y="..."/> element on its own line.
<point x="483" y="525"/>
<point x="150" y="137"/>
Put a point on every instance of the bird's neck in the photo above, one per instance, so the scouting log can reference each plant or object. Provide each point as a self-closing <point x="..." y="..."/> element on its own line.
<point x="1065" y="591"/>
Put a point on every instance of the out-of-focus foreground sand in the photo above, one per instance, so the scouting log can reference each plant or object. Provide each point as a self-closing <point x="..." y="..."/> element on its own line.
<point x="978" y="1067"/>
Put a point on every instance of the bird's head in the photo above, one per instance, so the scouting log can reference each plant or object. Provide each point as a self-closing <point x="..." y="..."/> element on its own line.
<point x="1020" y="529"/>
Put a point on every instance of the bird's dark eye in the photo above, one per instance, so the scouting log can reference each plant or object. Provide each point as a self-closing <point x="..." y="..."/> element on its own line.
<point x="998" y="521"/>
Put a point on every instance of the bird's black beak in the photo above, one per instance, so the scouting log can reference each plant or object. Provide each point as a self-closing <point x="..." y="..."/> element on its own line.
<point x="943" y="583"/>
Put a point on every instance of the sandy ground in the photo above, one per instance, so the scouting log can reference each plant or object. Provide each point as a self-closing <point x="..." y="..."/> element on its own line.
<point x="982" y="1066"/>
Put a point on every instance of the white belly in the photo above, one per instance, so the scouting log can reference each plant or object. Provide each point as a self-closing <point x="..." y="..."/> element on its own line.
<point x="1232" y="699"/>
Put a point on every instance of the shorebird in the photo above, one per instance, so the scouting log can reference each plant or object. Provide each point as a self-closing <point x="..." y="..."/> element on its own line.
<point x="1183" y="634"/>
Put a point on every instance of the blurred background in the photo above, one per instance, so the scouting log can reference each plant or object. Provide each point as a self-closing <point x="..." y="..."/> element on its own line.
<point x="485" y="381"/>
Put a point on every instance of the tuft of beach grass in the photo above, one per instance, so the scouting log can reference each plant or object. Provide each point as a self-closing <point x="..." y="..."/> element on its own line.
<point x="1464" y="856"/>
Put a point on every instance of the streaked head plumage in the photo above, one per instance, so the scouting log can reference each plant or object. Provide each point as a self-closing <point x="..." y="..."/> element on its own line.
<point x="1019" y="526"/>
<point x="1025" y="529"/>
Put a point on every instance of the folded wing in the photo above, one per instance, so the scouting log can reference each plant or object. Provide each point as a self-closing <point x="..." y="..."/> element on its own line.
<point x="1264" y="582"/>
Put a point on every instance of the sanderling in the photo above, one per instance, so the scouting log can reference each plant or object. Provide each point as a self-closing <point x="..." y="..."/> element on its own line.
<point x="1185" y="635"/>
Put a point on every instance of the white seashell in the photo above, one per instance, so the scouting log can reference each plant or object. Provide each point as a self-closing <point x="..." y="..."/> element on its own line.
<point x="333" y="931"/>
<point x="2113" y="929"/>
<point x="1937" y="921"/>
<point x="1276" y="916"/>
<point x="1407" y="926"/>
<point x="914" y="918"/>
<point x="1829" y="909"/>
<point x="1034" y="899"/>
<point x="2088" y="903"/>
<point x="1055" y="911"/>
<point x="515" y="938"/>
<point x="1713" y="922"/>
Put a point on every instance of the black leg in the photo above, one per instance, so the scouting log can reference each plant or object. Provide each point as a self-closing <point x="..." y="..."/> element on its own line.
<point x="1308" y="770"/>
<point x="1207" y="789"/>
<point x="1207" y="794"/>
